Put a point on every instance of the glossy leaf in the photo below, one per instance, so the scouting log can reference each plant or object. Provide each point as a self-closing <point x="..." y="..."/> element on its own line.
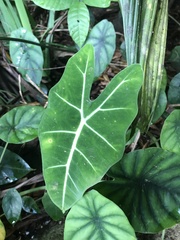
<point x="2" y="231"/>
<point x="174" y="90"/>
<point x="20" y="124"/>
<point x="73" y="131"/>
<point x="12" y="167"/>
<point x="146" y="186"/>
<point x="12" y="205"/>
<point x="29" y="205"/>
<point x="52" y="210"/>
<point x="103" y="38"/>
<point x="170" y="134"/>
<point x="78" y="22"/>
<point x="26" y="57"/>
<point x="96" y="217"/>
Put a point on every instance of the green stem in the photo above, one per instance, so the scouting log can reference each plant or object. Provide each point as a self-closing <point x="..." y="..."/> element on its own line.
<point x="42" y="188"/>
<point x="23" y="14"/>
<point x="3" y="152"/>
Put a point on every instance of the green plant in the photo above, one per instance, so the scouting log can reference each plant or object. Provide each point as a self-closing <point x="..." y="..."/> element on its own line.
<point x="83" y="141"/>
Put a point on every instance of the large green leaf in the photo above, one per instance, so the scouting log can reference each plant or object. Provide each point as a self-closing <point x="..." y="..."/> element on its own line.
<point x="55" y="4"/>
<point x="78" y="22"/>
<point x="97" y="218"/>
<point x="28" y="58"/>
<point x="146" y="186"/>
<point x="12" y="205"/>
<point x="61" y="4"/>
<point x="103" y="38"/>
<point x="170" y="134"/>
<point x="80" y="139"/>
<point x="12" y="167"/>
<point x="20" y="124"/>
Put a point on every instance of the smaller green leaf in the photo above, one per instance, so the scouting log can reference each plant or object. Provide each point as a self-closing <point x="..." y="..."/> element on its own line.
<point x="174" y="58"/>
<point x="12" y="205"/>
<point x="52" y="210"/>
<point x="174" y="90"/>
<point x="12" y="167"/>
<point x="20" y="124"/>
<point x="28" y="58"/>
<point x="170" y="134"/>
<point x="2" y="231"/>
<point x="96" y="217"/>
<point x="78" y="22"/>
<point x="160" y="106"/>
<point x="29" y="205"/>
<point x="102" y="37"/>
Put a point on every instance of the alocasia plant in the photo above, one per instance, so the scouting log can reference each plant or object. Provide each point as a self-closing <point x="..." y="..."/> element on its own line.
<point x="81" y="139"/>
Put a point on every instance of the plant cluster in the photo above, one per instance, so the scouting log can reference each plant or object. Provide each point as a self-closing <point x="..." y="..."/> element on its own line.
<point x="97" y="174"/>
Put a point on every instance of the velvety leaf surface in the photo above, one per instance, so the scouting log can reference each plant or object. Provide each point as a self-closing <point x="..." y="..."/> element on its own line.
<point x="78" y="22"/>
<point x="12" y="167"/>
<point x="174" y="90"/>
<point x="20" y="124"/>
<point x="12" y="205"/>
<point x="28" y="58"/>
<point x="29" y="205"/>
<point x="52" y="210"/>
<point x="146" y="186"/>
<point x="170" y="134"/>
<point x="95" y="217"/>
<point x="103" y="38"/>
<point x="80" y="139"/>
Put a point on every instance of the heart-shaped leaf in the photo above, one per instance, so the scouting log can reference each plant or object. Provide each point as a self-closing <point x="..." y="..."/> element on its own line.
<point x="12" y="167"/>
<point x="78" y="22"/>
<point x="146" y="186"/>
<point x="170" y="134"/>
<point x="96" y="217"/>
<point x="12" y="205"/>
<point x="20" y="124"/>
<point x="103" y="38"/>
<point x="80" y="139"/>
<point x="28" y="58"/>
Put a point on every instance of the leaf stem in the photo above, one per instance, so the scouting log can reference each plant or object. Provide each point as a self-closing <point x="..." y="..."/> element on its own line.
<point x="4" y="150"/>
<point x="42" y="188"/>
<point x="23" y="14"/>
